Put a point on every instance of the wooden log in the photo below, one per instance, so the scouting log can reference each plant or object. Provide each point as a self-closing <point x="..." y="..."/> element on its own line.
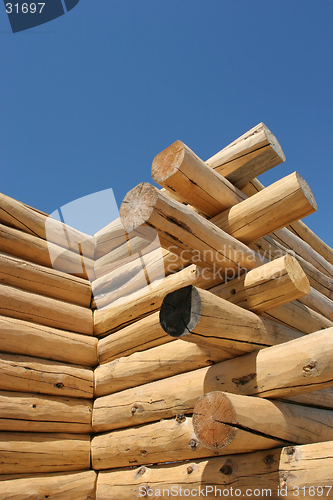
<point x="183" y="231"/>
<point x="182" y="172"/>
<point x="319" y="303"/>
<point x="73" y="485"/>
<point x="30" y="306"/>
<point x="307" y="368"/>
<point x="258" y="374"/>
<point x="31" y="339"/>
<point x="220" y="419"/>
<point x="23" y="452"/>
<point x="34" y="249"/>
<point x="271" y="285"/>
<point x="44" y="281"/>
<point x="138" y="305"/>
<point x="199" y="316"/>
<point x="250" y="155"/>
<point x="136" y="337"/>
<point x="154" y="364"/>
<point x="25" y="412"/>
<point x="288" y="472"/>
<point x="17" y="215"/>
<point x="26" y="374"/>
<point x="109" y="238"/>
<point x="164" y="441"/>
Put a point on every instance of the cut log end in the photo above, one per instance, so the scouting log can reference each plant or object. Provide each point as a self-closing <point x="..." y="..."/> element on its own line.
<point x="296" y="274"/>
<point x="166" y="163"/>
<point x="137" y="206"/>
<point x="307" y="191"/>
<point x="212" y="414"/>
<point x="181" y="311"/>
<point x="274" y="143"/>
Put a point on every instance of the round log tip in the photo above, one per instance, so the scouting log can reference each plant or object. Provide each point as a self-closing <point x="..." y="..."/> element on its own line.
<point x="296" y="274"/>
<point x="180" y="311"/>
<point x="137" y="206"/>
<point x="211" y="416"/>
<point x="166" y="163"/>
<point x="274" y="143"/>
<point x="307" y="191"/>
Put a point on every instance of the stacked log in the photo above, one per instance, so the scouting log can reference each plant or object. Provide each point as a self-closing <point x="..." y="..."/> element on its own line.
<point x="47" y="356"/>
<point x="252" y="327"/>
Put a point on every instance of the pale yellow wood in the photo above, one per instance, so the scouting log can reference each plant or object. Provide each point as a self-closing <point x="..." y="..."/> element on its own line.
<point x="43" y="452"/>
<point x="271" y="473"/>
<point x="27" y="374"/>
<point x="220" y="419"/>
<point x="47" y="311"/>
<point x="26" y="412"/>
<point x="44" y="281"/>
<point x="109" y="238"/>
<point x="319" y="303"/>
<point x="17" y="215"/>
<point x="164" y="441"/>
<point x="250" y="155"/>
<point x="34" y="249"/>
<point x="32" y="339"/>
<point x="69" y="486"/>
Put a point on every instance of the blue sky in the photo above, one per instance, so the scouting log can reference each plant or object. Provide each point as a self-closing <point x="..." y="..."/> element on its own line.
<point x="90" y="98"/>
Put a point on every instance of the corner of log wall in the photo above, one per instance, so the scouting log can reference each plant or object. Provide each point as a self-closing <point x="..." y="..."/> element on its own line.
<point x="111" y="391"/>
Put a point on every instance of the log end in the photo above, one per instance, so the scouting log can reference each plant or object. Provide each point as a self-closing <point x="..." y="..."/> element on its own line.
<point x="297" y="275"/>
<point x="180" y="311"/>
<point x="274" y="143"/>
<point x="307" y="191"/>
<point x="166" y="163"/>
<point x="137" y="206"/>
<point x="212" y="414"/>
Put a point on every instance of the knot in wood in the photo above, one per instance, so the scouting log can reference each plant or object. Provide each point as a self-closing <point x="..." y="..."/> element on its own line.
<point x="140" y="472"/>
<point x="226" y="469"/>
<point x="180" y="418"/>
<point x="310" y="366"/>
<point x="145" y="491"/>
<point x="269" y="459"/>
<point x="189" y="469"/>
<point x="290" y="450"/>
<point x="194" y="443"/>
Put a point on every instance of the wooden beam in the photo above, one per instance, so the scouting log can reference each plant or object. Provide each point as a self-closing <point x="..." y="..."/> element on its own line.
<point x="220" y="419"/>
<point x="24" y="452"/>
<point x="250" y="155"/>
<point x="78" y="485"/>
<point x="26" y="412"/>
<point x="32" y="339"/>
<point x="26" y="374"/>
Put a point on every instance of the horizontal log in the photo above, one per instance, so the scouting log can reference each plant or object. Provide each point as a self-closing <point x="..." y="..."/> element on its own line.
<point x="27" y="374"/>
<point x="70" y="486"/>
<point x="31" y="339"/>
<point x="109" y="238"/>
<point x="21" y="304"/>
<point x="220" y="419"/>
<point x="44" y="281"/>
<point x="257" y="374"/>
<point x="183" y="231"/>
<point x="34" y="249"/>
<point x="23" y="412"/>
<point x="136" y="337"/>
<point x="137" y="305"/>
<point x="154" y="364"/>
<point x="276" y="473"/>
<point x="319" y="303"/>
<point x="164" y="441"/>
<point x="307" y="368"/>
<point x="180" y="171"/>
<point x="199" y="316"/>
<point x="250" y="155"/>
<point x="23" y="452"/>
<point x="17" y="215"/>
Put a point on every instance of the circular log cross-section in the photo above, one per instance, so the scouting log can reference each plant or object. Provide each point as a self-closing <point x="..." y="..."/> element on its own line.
<point x="181" y="311"/>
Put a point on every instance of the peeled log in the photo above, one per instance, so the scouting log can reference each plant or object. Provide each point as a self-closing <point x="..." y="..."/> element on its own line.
<point x="183" y="231"/>
<point x="44" y="281"/>
<point x="24" y="374"/>
<point x="74" y="485"/>
<point x="250" y="155"/>
<point x="267" y="473"/>
<point x="29" y="306"/>
<point x="199" y="316"/>
<point x="220" y="419"/>
<point x="35" y="453"/>
<point x="164" y="441"/>
<point x="24" y="412"/>
<point x="31" y="339"/>
<point x="34" y="249"/>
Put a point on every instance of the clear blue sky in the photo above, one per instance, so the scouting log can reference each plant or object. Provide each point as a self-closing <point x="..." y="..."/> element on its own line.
<point x="90" y="98"/>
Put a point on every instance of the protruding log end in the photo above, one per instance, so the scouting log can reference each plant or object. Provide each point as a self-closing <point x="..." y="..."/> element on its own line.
<point x="297" y="275"/>
<point x="137" y="206"/>
<point x="212" y="414"/>
<point x="274" y="143"/>
<point x="307" y="191"/>
<point x="166" y="163"/>
<point x="181" y="311"/>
